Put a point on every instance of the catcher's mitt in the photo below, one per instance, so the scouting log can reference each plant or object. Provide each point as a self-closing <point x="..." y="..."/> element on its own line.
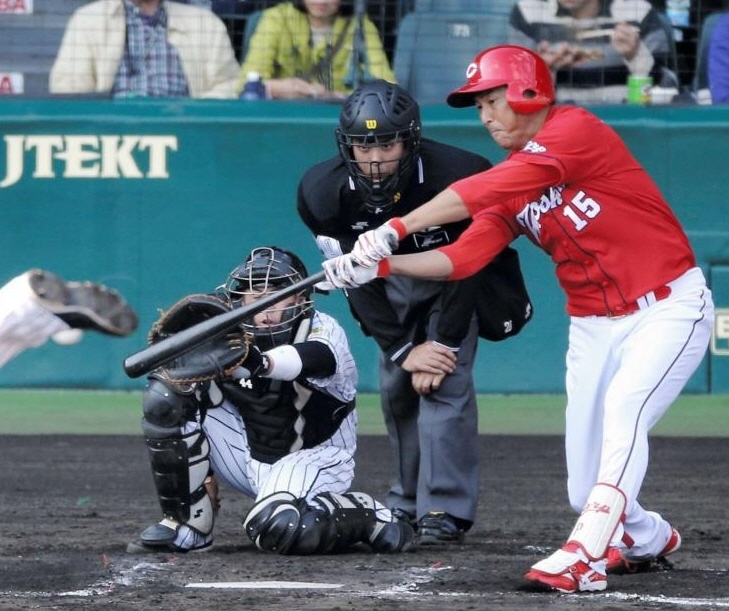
<point x="216" y="358"/>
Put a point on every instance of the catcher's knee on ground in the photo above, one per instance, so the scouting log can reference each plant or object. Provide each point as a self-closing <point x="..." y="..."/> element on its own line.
<point x="283" y="524"/>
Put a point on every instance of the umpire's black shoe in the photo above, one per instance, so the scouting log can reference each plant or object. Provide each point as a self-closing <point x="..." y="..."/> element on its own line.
<point x="439" y="528"/>
<point x="83" y="305"/>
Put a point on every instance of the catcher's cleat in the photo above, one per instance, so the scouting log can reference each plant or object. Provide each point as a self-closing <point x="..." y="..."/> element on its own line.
<point x="170" y="536"/>
<point x="618" y="564"/>
<point x="567" y="571"/>
<point x="439" y="528"/>
<point x="83" y="305"/>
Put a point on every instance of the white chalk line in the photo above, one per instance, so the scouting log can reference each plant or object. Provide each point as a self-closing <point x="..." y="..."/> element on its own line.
<point x="421" y="577"/>
<point x="413" y="585"/>
<point x="265" y="585"/>
<point x="670" y="600"/>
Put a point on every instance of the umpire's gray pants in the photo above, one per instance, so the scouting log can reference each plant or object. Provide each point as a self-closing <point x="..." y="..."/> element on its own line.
<point x="434" y="439"/>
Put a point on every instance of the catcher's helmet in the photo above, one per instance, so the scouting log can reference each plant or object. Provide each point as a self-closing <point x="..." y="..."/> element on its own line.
<point x="268" y="269"/>
<point x="379" y="112"/>
<point x="529" y="85"/>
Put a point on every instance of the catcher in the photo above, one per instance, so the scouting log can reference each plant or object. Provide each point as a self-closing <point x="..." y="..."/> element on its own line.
<point x="270" y="410"/>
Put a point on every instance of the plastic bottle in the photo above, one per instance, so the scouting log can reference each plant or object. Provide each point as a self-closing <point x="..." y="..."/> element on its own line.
<point x="254" y="88"/>
<point x="678" y="12"/>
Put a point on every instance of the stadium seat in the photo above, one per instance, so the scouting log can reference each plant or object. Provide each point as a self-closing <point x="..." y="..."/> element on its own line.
<point x="700" y="83"/>
<point x="250" y="28"/>
<point x="235" y="15"/>
<point x="670" y="77"/>
<point x="29" y="42"/>
<point x="434" y="49"/>
<point x="464" y="6"/>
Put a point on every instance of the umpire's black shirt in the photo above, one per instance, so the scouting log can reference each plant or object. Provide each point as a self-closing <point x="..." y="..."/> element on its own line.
<point x="330" y="205"/>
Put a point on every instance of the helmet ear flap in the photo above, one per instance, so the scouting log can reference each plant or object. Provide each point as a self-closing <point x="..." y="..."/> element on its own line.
<point x="524" y="100"/>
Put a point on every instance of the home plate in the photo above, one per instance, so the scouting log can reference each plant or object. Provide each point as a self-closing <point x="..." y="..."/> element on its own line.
<point x="264" y="585"/>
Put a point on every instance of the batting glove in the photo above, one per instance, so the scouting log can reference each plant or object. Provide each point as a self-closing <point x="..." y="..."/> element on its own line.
<point x="344" y="273"/>
<point x="377" y="244"/>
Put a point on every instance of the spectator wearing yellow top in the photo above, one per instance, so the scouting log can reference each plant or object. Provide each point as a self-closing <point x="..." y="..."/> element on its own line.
<point x="304" y="50"/>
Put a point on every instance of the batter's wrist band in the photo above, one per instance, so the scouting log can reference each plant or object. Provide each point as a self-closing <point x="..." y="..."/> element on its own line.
<point x="399" y="227"/>
<point x="383" y="268"/>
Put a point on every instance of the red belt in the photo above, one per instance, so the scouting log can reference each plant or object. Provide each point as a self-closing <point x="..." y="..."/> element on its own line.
<point x="642" y="302"/>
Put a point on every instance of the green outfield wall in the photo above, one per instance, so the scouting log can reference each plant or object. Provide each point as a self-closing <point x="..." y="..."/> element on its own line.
<point x="161" y="199"/>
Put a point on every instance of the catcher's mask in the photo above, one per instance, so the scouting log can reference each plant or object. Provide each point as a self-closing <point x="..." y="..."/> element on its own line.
<point x="379" y="113"/>
<point x="266" y="270"/>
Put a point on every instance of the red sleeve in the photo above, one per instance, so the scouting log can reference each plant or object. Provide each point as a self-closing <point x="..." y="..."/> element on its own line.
<point x="488" y="234"/>
<point x="504" y="181"/>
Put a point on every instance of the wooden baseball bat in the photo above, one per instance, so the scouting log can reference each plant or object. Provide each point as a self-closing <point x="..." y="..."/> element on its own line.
<point x="171" y="347"/>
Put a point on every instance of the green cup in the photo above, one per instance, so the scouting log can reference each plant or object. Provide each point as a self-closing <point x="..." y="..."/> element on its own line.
<point x="639" y="89"/>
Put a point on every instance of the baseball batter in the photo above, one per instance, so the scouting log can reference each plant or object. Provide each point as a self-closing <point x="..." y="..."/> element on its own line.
<point x="641" y="312"/>
<point x="280" y="428"/>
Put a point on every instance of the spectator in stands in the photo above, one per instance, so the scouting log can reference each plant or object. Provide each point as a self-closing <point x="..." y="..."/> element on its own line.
<point x="592" y="46"/>
<point x="719" y="61"/>
<point x="154" y="48"/>
<point x="304" y="49"/>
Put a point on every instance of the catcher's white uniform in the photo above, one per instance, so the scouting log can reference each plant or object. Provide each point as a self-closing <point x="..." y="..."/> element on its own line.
<point x="328" y="466"/>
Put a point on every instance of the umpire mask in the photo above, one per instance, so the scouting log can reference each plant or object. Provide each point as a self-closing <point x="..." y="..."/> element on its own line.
<point x="379" y="113"/>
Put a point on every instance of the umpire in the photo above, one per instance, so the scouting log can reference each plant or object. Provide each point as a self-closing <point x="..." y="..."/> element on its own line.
<point x="427" y="331"/>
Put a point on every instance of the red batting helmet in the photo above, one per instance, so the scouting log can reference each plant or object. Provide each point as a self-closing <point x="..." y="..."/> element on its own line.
<point x="529" y="85"/>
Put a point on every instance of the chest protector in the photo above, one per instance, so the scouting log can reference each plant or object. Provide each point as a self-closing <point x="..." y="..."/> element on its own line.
<point x="282" y="417"/>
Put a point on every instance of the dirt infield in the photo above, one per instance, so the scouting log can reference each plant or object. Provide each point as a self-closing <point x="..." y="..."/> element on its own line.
<point x="70" y="503"/>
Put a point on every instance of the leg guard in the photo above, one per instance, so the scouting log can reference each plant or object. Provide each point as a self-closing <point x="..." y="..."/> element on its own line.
<point x="600" y="518"/>
<point x="360" y="518"/>
<point x="180" y="463"/>
<point x="283" y="524"/>
<point x="180" y="469"/>
<point x="274" y="523"/>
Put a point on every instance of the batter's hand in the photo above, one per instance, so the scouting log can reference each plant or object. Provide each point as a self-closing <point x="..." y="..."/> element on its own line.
<point x="377" y="244"/>
<point x="426" y="383"/>
<point x="343" y="273"/>
<point x="431" y="358"/>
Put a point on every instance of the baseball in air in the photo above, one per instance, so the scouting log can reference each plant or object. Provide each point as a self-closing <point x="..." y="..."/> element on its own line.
<point x="68" y="337"/>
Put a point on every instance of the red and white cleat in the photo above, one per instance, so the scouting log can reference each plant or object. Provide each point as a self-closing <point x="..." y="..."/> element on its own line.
<point x="567" y="571"/>
<point x="617" y="563"/>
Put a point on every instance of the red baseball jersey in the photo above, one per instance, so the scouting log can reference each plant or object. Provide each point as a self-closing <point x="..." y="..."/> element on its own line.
<point x="576" y="191"/>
